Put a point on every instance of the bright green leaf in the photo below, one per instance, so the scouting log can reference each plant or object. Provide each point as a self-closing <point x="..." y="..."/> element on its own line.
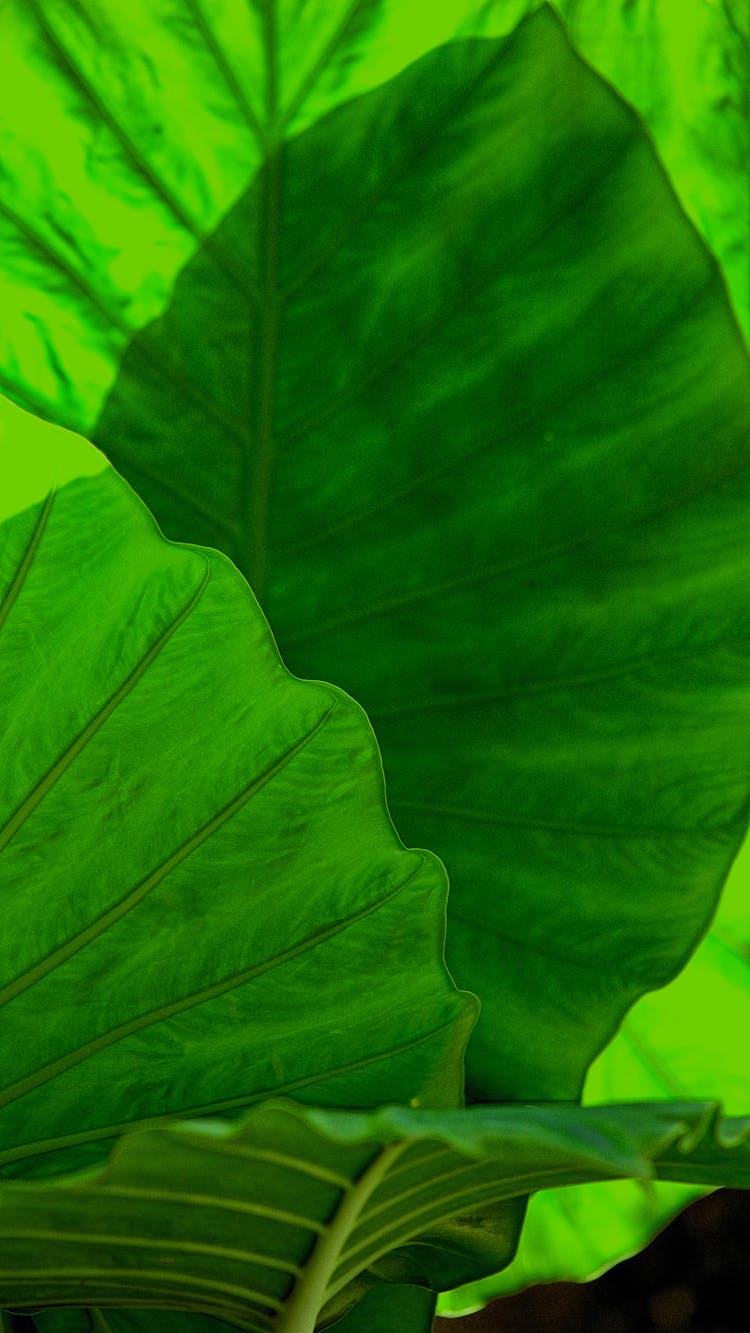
<point x="204" y="900"/>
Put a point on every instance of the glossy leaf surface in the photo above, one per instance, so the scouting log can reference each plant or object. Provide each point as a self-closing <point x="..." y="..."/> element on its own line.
<point x="285" y="1220"/>
<point x="204" y="900"/>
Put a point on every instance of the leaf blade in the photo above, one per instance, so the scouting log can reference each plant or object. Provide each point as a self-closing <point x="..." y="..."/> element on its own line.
<point x="161" y="781"/>
<point x="501" y="1151"/>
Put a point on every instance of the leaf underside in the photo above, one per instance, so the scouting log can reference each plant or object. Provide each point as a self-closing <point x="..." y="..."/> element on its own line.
<point x="238" y="1221"/>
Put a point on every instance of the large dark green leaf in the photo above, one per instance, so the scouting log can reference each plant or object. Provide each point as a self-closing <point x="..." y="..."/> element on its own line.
<point x="285" y="1220"/>
<point x="391" y="1309"/>
<point x="203" y="899"/>
<point x="93" y="1319"/>
<point x="486" y="465"/>
<point x="684" y="65"/>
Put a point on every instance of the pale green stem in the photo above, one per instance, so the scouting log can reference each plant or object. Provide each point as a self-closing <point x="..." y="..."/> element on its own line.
<point x="309" y="1292"/>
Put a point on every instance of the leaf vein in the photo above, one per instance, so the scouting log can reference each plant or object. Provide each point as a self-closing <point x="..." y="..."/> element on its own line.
<point x="349" y="225"/>
<point x="161" y="1243"/>
<point x="451" y="1205"/>
<point x="72" y="1058"/>
<point x="466" y="291"/>
<point x="355" y="518"/>
<point x="243" y="1101"/>
<point x="560" y="685"/>
<point x="308" y="83"/>
<point x="148" y="1277"/>
<point x="126" y="904"/>
<point x="650" y="832"/>
<point x="672" y="504"/>
<point x="136" y="345"/>
<point x="36" y="796"/>
<point x="140" y="162"/>
<point x="27" y="560"/>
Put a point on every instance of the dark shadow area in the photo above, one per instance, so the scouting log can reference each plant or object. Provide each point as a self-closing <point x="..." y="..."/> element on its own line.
<point x="694" y="1278"/>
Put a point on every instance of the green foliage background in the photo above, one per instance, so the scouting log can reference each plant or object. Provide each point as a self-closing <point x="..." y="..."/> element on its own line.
<point x="403" y="316"/>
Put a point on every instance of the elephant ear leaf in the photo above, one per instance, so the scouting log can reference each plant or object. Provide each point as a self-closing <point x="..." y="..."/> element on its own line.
<point x="289" y="1219"/>
<point x="471" y="412"/>
<point x="478" y="437"/>
<point x="203" y="897"/>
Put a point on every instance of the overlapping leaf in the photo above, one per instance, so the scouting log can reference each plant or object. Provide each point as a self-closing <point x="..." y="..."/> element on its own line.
<point x="699" y="1020"/>
<point x="457" y="385"/>
<point x="285" y="1220"/>
<point x="203" y="899"/>
<point x="127" y="131"/>
<point x="684" y="65"/>
<point x="488" y="470"/>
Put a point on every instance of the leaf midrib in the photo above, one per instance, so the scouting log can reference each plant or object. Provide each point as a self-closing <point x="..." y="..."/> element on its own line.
<point x="41" y="1147"/>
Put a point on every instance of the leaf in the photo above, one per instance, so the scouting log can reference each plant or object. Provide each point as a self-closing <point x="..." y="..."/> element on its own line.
<point x="529" y="567"/>
<point x="93" y="234"/>
<point x="385" y="1309"/>
<point x="684" y="65"/>
<point x="609" y="596"/>
<point x="281" y="1221"/>
<point x="97" y="1320"/>
<point x="562" y="753"/>
<point x="673" y="1043"/>
<point x="204" y="900"/>
<point x="111" y="1320"/>
<point x="406" y="1309"/>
